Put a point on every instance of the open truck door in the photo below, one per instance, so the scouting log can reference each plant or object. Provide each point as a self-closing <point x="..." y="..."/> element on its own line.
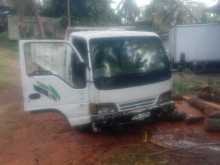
<point x="54" y="79"/>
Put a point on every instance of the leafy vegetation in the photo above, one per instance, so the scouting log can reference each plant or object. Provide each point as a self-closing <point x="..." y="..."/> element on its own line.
<point x="128" y="11"/>
<point x="6" y="43"/>
<point x="188" y="83"/>
<point x="164" y="14"/>
<point x="87" y="12"/>
<point x="161" y="15"/>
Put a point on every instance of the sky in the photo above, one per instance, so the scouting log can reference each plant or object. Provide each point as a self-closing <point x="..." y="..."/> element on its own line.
<point x="142" y="3"/>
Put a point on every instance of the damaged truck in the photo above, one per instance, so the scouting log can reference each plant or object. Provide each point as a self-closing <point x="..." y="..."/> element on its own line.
<point x="97" y="77"/>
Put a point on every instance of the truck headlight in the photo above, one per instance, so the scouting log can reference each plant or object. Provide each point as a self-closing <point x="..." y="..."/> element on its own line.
<point x="100" y="109"/>
<point x="165" y="97"/>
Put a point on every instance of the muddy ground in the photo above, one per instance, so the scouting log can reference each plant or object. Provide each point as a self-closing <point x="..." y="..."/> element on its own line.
<point x="46" y="139"/>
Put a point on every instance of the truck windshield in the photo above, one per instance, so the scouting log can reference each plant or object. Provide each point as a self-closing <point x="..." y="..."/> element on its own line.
<point x="128" y="61"/>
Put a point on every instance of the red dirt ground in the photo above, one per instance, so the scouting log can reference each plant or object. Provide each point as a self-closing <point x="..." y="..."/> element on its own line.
<point x="46" y="139"/>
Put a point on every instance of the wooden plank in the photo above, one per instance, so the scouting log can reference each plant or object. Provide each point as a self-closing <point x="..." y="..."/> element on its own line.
<point x="204" y="106"/>
<point x="192" y="114"/>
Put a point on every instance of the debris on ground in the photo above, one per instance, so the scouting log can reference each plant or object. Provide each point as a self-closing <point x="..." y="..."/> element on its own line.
<point x="209" y="94"/>
<point x="210" y="109"/>
<point x="192" y="114"/>
<point x="47" y="139"/>
<point x="212" y="124"/>
<point x="205" y="107"/>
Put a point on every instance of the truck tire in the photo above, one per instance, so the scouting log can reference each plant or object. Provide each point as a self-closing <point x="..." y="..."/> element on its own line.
<point x="89" y="128"/>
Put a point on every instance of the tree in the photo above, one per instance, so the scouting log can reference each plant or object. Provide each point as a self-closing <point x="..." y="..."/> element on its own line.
<point x="210" y="18"/>
<point x="128" y="11"/>
<point x="163" y="14"/>
<point x="83" y="12"/>
<point x="27" y="8"/>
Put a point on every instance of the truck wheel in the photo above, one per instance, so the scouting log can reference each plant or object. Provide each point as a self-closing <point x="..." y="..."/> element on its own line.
<point x="95" y="128"/>
<point x="173" y="116"/>
<point x="92" y="127"/>
<point x="154" y="117"/>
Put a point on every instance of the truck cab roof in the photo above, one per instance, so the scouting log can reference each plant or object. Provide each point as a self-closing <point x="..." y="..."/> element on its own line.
<point x="111" y="33"/>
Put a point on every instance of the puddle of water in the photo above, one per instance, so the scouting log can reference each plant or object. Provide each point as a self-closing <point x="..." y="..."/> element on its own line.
<point x="170" y="141"/>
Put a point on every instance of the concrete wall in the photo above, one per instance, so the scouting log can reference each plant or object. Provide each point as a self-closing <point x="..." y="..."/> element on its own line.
<point x="13" y="32"/>
<point x="27" y="28"/>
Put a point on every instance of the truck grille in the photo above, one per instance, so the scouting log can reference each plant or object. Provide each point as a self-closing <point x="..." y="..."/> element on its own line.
<point x="137" y="105"/>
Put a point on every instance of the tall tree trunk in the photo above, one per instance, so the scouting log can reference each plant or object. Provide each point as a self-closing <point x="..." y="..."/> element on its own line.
<point x="39" y="21"/>
<point x="69" y="13"/>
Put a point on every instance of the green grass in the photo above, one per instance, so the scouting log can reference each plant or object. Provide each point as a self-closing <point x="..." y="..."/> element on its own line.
<point x="8" y="50"/>
<point x="8" y="69"/>
<point x="183" y="87"/>
<point x="189" y="83"/>
<point x="4" y="72"/>
<point x="6" y="43"/>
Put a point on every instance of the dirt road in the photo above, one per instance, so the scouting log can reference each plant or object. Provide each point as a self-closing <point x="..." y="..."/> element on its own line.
<point x="46" y="139"/>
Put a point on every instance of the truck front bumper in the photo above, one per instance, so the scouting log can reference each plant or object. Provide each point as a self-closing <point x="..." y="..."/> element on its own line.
<point x="133" y="116"/>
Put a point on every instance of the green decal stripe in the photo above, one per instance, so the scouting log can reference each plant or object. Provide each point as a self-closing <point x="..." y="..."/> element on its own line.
<point x="52" y="92"/>
<point x="55" y="93"/>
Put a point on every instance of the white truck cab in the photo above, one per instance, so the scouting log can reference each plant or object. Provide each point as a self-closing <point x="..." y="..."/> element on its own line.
<point x="97" y="76"/>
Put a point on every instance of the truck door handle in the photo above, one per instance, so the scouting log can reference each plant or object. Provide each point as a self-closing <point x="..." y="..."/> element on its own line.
<point x="34" y="96"/>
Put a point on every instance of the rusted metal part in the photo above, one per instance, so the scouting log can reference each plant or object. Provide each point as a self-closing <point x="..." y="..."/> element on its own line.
<point x="210" y="110"/>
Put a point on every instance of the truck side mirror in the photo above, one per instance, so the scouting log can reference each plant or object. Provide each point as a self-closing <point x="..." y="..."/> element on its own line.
<point x="79" y="73"/>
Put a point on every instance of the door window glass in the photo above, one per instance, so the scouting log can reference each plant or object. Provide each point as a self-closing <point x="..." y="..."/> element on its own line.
<point x="78" y="73"/>
<point x="57" y="59"/>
